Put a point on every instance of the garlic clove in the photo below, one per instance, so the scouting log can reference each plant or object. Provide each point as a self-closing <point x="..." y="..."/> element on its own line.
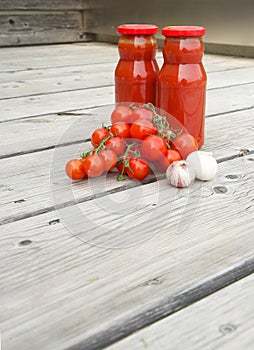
<point x="180" y="174"/>
<point x="204" y="164"/>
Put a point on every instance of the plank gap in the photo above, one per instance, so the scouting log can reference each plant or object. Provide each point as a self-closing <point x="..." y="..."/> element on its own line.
<point x="102" y="105"/>
<point x="230" y="86"/>
<point x="58" y="113"/>
<point x="167" y="307"/>
<point x="229" y="112"/>
<point x="55" y="92"/>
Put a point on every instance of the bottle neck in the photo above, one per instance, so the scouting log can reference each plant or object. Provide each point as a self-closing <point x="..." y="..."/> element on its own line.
<point x="137" y="47"/>
<point x="182" y="50"/>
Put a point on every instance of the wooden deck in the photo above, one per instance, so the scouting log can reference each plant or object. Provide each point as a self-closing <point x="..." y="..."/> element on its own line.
<point x="115" y="264"/>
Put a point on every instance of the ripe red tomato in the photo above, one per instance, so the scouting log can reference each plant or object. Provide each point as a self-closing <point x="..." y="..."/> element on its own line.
<point x="141" y="113"/>
<point x="185" y="144"/>
<point x="163" y="163"/>
<point x="116" y="144"/>
<point x="98" y="135"/>
<point x="93" y="165"/>
<point x="121" y="129"/>
<point x="121" y="114"/>
<point x="110" y="159"/>
<point x="74" y="169"/>
<point x="142" y="128"/>
<point x="153" y="147"/>
<point x="138" y="169"/>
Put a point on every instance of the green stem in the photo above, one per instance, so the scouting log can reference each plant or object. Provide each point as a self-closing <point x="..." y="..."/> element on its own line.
<point x="161" y="122"/>
<point x="102" y="143"/>
<point x="125" y="161"/>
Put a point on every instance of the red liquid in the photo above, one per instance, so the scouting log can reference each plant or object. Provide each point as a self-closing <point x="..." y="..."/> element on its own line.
<point x="137" y="70"/>
<point x="182" y="83"/>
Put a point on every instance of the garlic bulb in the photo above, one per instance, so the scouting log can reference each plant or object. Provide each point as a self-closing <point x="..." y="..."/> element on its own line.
<point x="180" y="174"/>
<point x="204" y="164"/>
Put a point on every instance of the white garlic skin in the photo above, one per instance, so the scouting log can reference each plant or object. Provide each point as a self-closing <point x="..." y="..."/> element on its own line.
<point x="204" y="164"/>
<point x="180" y="174"/>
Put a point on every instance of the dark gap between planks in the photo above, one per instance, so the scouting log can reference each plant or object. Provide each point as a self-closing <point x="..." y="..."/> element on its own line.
<point x="79" y="109"/>
<point x="58" y="113"/>
<point x="167" y="307"/>
<point x="55" y="92"/>
<point x="103" y="86"/>
<point x="53" y="67"/>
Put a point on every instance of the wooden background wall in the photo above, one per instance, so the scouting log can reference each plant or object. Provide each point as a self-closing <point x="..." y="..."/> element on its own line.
<point x="26" y="22"/>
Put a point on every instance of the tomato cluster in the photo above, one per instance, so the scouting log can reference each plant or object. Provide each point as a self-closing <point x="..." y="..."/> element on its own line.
<point x="138" y="140"/>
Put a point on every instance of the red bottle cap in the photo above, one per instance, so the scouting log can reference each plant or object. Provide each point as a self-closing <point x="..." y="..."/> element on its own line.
<point x="183" y="31"/>
<point x="137" y="29"/>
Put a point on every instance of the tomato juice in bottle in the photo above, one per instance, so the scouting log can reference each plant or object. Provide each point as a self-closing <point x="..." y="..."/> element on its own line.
<point x="137" y="69"/>
<point x="182" y="78"/>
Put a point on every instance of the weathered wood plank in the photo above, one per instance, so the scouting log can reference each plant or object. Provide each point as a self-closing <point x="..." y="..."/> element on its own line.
<point x="229" y="99"/>
<point x="28" y="189"/>
<point x="225" y="100"/>
<point x="242" y="76"/>
<point x="76" y="126"/>
<point x="29" y="76"/>
<point x="223" y="63"/>
<point x="91" y="296"/>
<point x="67" y="55"/>
<point x="58" y="291"/>
<point x="27" y="21"/>
<point x="54" y="103"/>
<point x="80" y="77"/>
<point x="223" y="320"/>
<point x="57" y="56"/>
<point x="57" y="80"/>
<point x="76" y="54"/>
<point x="50" y="4"/>
<point x="27" y="28"/>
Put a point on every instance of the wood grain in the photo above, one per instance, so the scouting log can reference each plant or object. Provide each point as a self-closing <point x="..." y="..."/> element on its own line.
<point x="227" y="100"/>
<point x="27" y="28"/>
<point x="223" y="321"/>
<point x="24" y="107"/>
<point x="86" y="265"/>
<point x="32" y="184"/>
<point x="50" y="4"/>
<point x="62" y="55"/>
<point x="77" y="54"/>
<point x="41" y="81"/>
<point x="31" y="78"/>
<point x="57" y="80"/>
<point x="74" y="127"/>
<point x="58" y="285"/>
<point x="46" y="22"/>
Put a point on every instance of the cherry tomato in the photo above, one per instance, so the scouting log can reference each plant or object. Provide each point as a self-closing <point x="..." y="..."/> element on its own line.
<point x="163" y="163"/>
<point x="142" y="128"/>
<point x="121" y="114"/>
<point x="185" y="144"/>
<point x="93" y="165"/>
<point x="141" y="113"/>
<point x="110" y="159"/>
<point x="153" y="147"/>
<point x="74" y="169"/>
<point x="138" y="169"/>
<point x="121" y="129"/>
<point x="98" y="135"/>
<point x="116" y="144"/>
